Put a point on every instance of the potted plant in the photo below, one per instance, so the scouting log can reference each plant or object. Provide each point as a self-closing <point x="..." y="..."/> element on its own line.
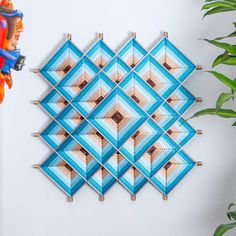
<point x="227" y="58"/>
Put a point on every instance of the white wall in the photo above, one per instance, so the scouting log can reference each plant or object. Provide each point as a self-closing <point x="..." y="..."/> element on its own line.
<point x="34" y="207"/>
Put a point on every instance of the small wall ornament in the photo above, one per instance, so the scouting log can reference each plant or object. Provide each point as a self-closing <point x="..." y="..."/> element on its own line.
<point x="11" y="27"/>
<point x="117" y="117"/>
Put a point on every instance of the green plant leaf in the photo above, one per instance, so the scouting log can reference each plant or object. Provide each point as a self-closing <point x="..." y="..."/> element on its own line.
<point x="224" y="97"/>
<point x="234" y="124"/>
<point x="225" y="59"/>
<point x="221" y="58"/>
<point x="219" y="0"/>
<point x="231" y="61"/>
<point x="228" y="47"/>
<point x="225" y="113"/>
<point x="224" y="228"/>
<point x="218" y="4"/>
<point x="234" y="23"/>
<point x="233" y="34"/>
<point x="230" y="83"/>
<point x="232" y="91"/>
<point x="217" y="10"/>
<point x="231" y="215"/>
<point x="231" y="205"/>
<point x="229" y="1"/>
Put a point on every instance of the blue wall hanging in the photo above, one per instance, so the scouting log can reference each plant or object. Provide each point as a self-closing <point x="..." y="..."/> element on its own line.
<point x="117" y="117"/>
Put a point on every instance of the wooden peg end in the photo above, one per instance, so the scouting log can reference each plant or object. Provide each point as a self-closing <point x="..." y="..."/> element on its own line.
<point x="165" y="197"/>
<point x="36" y="71"/>
<point x="133" y="197"/>
<point x="165" y="34"/>
<point x="199" y="99"/>
<point x="134" y="35"/>
<point x="100" y="36"/>
<point x="36" y="135"/>
<point x="199" y="131"/>
<point x="101" y="198"/>
<point x="199" y="67"/>
<point x="199" y="163"/>
<point x="36" y="166"/>
<point x="36" y="102"/>
<point x="70" y="199"/>
<point x="69" y="37"/>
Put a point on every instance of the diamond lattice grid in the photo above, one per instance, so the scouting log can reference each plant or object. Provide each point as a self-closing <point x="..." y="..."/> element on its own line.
<point x="117" y="117"/>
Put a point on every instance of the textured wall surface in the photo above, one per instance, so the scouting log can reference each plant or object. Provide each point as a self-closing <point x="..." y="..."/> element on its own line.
<point x="32" y="206"/>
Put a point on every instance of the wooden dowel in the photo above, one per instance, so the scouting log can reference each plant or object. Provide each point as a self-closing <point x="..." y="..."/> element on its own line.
<point x="133" y="35"/>
<point x="36" y="135"/>
<point x="70" y="199"/>
<point x="199" y="163"/>
<point x="199" y="131"/>
<point x="165" y="34"/>
<point x="36" y="71"/>
<point x="165" y="197"/>
<point x="101" y="198"/>
<point x="100" y="36"/>
<point x="37" y="166"/>
<point x="199" y="99"/>
<point x="133" y="197"/>
<point x="199" y="67"/>
<point x="69" y="37"/>
<point x="36" y="102"/>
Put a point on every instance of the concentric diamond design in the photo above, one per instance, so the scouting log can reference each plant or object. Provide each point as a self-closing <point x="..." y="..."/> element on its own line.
<point x="117" y="117"/>
<point x="61" y="63"/>
<point x="173" y="172"/>
<point x="173" y="60"/>
<point x="100" y="54"/>
<point x="141" y="93"/>
<point x="157" y="76"/>
<point x="69" y="118"/>
<point x="141" y="140"/>
<point x="157" y="156"/>
<point x="102" y="181"/>
<point x="181" y="100"/>
<point x="94" y="142"/>
<point x="165" y="116"/>
<point x="62" y="174"/>
<point x="78" y="158"/>
<point x="54" y="135"/>
<point x="117" y="69"/>
<point x="117" y="165"/>
<point x="132" y="53"/>
<point x="133" y="180"/>
<point x="77" y="78"/>
<point x="181" y="132"/>
<point x="93" y="94"/>
<point x="53" y="103"/>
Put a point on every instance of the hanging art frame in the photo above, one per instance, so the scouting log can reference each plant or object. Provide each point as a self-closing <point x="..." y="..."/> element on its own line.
<point x="117" y="117"/>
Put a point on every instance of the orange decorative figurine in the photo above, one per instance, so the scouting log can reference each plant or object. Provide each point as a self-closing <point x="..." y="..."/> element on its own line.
<point x="11" y="26"/>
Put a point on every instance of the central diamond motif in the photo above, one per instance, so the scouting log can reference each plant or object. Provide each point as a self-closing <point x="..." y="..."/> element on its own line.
<point x="117" y="117"/>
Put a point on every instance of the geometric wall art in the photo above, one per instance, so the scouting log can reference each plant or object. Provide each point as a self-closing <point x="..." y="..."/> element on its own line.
<point x="117" y="117"/>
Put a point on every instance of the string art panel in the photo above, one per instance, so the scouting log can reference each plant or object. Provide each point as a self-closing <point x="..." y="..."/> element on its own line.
<point x="117" y="117"/>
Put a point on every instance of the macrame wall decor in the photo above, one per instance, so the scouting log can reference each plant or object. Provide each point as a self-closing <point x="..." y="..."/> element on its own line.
<point x="117" y="117"/>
